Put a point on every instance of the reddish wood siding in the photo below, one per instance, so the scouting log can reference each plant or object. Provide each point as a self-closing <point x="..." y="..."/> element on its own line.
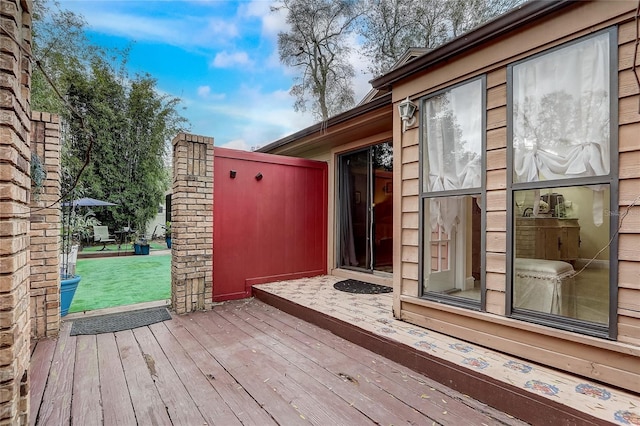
<point x="496" y="157"/>
<point x="629" y="253"/>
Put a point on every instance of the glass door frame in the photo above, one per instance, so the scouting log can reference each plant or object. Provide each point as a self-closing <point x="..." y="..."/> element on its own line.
<point x="369" y="266"/>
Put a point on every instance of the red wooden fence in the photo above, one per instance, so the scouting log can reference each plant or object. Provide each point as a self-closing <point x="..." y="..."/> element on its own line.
<point x="269" y="220"/>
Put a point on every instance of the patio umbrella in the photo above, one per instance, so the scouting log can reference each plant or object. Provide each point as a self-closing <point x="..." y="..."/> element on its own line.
<point x="66" y="217"/>
<point x="88" y="202"/>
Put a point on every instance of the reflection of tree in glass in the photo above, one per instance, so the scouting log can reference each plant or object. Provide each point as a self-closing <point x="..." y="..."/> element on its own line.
<point x="448" y="132"/>
<point x="551" y="112"/>
<point x="559" y="119"/>
<point x="595" y="109"/>
<point x="383" y="156"/>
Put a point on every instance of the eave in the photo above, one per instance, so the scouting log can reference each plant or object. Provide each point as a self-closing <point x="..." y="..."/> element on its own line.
<point x="356" y="123"/>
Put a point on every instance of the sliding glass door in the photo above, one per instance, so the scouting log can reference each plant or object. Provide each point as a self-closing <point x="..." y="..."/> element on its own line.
<point x="365" y="209"/>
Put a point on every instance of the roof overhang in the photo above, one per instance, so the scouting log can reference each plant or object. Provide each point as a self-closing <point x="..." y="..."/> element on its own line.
<point x="357" y="123"/>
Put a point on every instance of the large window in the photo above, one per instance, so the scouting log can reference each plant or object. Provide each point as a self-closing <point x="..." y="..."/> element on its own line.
<point x="452" y="176"/>
<point x="561" y="190"/>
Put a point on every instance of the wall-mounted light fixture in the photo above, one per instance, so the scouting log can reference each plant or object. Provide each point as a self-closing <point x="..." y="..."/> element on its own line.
<point x="259" y="176"/>
<point x="232" y="174"/>
<point x="407" y="109"/>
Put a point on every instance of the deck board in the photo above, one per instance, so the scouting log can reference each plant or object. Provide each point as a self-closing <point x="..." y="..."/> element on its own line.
<point x="210" y="404"/>
<point x="41" y="359"/>
<point x="318" y="399"/>
<point x="116" y="402"/>
<point x="353" y="391"/>
<point x="147" y="404"/>
<point x="86" y="383"/>
<point x="243" y="362"/>
<point x="58" y="392"/>
<point x="180" y="406"/>
<point x="234" y="394"/>
<point x="240" y="361"/>
<point x="501" y="380"/>
<point x="407" y="385"/>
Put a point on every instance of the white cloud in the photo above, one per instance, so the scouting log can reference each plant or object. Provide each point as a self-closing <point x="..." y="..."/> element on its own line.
<point x="203" y="91"/>
<point x="225" y="59"/>
<point x="272" y="22"/>
<point x="273" y="61"/>
<point x="361" y="85"/>
<point x="240" y="144"/>
<point x="255" y="9"/>
<point x="176" y="29"/>
<point x="135" y="27"/>
<point x="254" y="118"/>
<point x="222" y="27"/>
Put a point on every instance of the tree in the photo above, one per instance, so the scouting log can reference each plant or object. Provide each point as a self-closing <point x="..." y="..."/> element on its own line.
<point x="464" y="15"/>
<point x="390" y="27"/>
<point x="317" y="44"/>
<point x="59" y="46"/>
<point x="116" y="129"/>
<point x="132" y="124"/>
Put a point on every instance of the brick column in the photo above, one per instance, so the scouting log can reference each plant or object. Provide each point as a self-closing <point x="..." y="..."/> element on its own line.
<point x="45" y="229"/>
<point x="15" y="183"/>
<point x="192" y="224"/>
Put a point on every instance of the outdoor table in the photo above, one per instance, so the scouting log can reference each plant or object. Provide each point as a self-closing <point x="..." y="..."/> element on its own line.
<point x="123" y="236"/>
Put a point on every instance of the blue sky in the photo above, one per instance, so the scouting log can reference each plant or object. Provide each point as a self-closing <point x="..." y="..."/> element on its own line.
<point x="219" y="57"/>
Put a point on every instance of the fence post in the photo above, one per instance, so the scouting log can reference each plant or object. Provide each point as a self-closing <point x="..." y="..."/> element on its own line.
<point x="45" y="228"/>
<point x="192" y="223"/>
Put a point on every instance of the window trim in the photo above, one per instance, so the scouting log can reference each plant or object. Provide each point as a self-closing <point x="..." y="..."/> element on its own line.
<point x="479" y="191"/>
<point x="612" y="179"/>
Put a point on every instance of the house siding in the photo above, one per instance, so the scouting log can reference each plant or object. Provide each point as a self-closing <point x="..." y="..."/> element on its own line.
<point x="496" y="156"/>
<point x="629" y="172"/>
<point x="614" y="362"/>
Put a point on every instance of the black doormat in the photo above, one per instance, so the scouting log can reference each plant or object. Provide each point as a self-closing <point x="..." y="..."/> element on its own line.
<point x="111" y="323"/>
<point x="355" y="286"/>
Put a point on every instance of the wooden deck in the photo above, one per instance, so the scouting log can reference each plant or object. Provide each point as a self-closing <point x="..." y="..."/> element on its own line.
<point x="242" y="363"/>
<point x="526" y="390"/>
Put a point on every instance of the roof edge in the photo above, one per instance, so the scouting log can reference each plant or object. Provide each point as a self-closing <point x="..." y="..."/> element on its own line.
<point x="522" y="15"/>
<point x="333" y="121"/>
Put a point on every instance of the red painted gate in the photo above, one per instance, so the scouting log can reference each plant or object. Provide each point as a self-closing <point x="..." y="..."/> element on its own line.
<point x="269" y="220"/>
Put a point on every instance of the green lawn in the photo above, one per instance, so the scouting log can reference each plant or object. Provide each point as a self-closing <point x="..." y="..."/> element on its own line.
<point x="116" y="281"/>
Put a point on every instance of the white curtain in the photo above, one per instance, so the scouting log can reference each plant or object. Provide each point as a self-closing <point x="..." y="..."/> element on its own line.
<point x="561" y="115"/>
<point x="453" y="136"/>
